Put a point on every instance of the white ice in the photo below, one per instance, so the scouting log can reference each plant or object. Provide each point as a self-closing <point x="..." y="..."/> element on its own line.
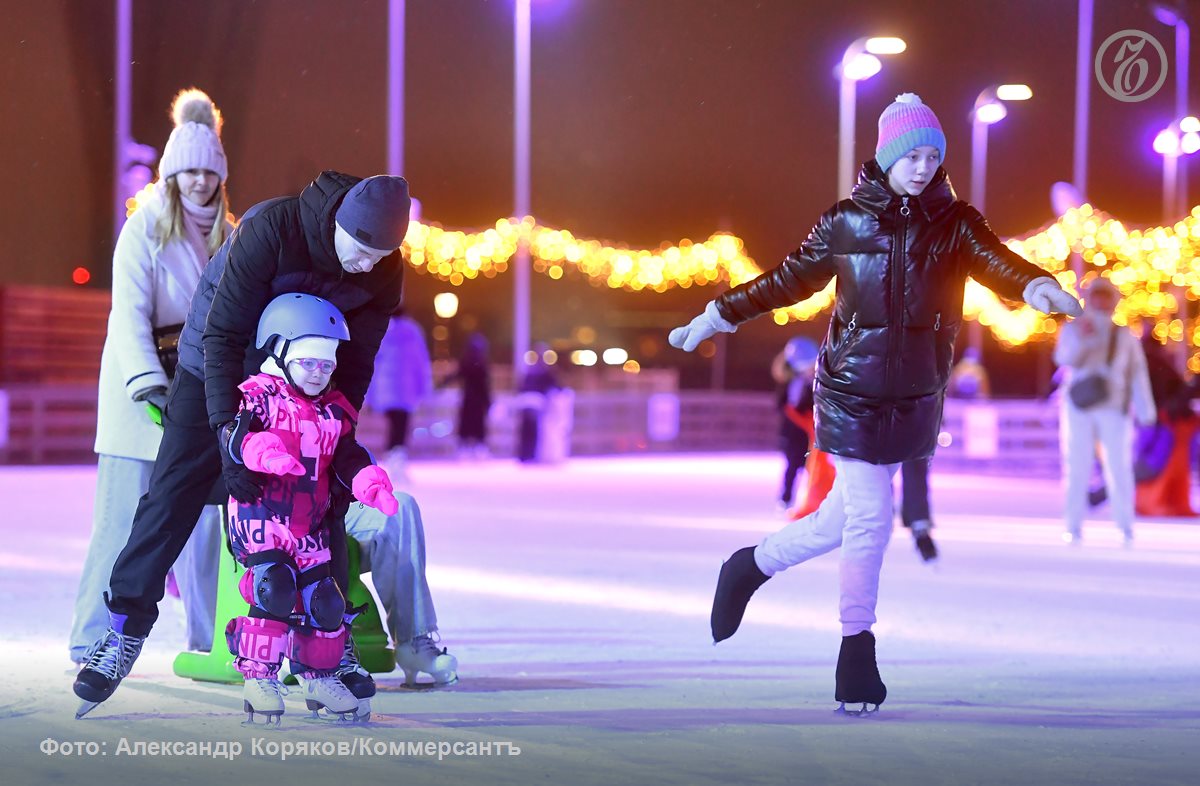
<point x="576" y="599"/>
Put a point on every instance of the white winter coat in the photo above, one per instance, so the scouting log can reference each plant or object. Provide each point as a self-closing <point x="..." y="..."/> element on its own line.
<point x="1128" y="379"/>
<point x="151" y="288"/>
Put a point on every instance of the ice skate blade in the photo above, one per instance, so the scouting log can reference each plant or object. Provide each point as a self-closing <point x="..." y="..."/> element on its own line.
<point x="860" y="713"/>
<point x="85" y="707"/>
<point x="325" y="717"/>
<point x="410" y="681"/>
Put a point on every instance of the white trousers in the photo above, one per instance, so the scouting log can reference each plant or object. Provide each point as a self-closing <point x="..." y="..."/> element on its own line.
<point x="120" y="483"/>
<point x="1079" y="433"/>
<point x="857" y="515"/>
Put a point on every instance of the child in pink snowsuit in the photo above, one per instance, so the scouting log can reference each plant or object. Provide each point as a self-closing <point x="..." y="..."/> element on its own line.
<point x="301" y="435"/>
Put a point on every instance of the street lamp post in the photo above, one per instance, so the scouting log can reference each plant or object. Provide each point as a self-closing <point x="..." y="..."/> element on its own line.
<point x="395" y="88"/>
<point x="859" y="63"/>
<point x="1172" y="15"/>
<point x="521" y="261"/>
<point x="1179" y="139"/>
<point x="989" y="109"/>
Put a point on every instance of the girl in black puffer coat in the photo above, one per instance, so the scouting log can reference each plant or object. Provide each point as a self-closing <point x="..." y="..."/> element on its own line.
<point x="901" y="247"/>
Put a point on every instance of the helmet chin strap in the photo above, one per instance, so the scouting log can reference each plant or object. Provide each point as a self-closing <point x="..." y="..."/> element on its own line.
<point x="280" y="360"/>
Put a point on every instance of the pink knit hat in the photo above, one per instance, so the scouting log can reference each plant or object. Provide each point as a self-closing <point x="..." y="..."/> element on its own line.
<point x="904" y="125"/>
<point x="196" y="141"/>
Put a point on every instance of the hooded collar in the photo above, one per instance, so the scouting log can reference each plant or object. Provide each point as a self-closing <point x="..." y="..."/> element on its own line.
<point x="318" y="205"/>
<point x="873" y="194"/>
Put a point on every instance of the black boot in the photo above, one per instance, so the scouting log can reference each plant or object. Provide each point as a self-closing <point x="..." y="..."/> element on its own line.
<point x="858" y="680"/>
<point x="925" y="545"/>
<point x="739" y="578"/>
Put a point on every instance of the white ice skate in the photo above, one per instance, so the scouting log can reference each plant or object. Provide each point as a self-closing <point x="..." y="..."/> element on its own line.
<point x="329" y="694"/>
<point x="263" y="697"/>
<point x="421" y="654"/>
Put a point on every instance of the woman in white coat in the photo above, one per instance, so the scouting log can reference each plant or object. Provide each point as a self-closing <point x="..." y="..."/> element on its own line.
<point x="179" y="223"/>
<point x="1092" y="348"/>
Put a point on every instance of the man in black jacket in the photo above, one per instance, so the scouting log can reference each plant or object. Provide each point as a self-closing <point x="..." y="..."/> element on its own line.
<point x="339" y="240"/>
<point x="901" y="247"/>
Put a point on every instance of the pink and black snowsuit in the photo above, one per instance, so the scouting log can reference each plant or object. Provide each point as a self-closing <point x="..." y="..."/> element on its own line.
<point x="296" y="607"/>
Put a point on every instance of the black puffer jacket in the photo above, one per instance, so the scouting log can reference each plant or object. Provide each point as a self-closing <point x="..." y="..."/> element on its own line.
<point x="286" y="245"/>
<point x="901" y="265"/>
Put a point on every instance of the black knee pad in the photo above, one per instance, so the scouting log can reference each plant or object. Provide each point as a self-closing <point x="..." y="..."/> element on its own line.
<point x="274" y="588"/>
<point x="324" y="606"/>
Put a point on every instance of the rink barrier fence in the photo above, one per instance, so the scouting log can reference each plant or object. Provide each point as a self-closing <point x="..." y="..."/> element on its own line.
<point x="55" y="424"/>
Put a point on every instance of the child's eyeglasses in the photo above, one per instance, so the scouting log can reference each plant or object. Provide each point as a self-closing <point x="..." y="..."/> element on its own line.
<point x="313" y="364"/>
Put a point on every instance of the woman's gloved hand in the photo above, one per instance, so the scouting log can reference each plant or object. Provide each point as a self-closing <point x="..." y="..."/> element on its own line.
<point x="708" y="324"/>
<point x="1046" y="296"/>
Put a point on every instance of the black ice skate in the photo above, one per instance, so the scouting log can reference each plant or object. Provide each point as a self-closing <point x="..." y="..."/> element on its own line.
<point x="739" y="579"/>
<point x="925" y="545"/>
<point x="858" y="680"/>
<point x="108" y="662"/>
<point x="356" y="679"/>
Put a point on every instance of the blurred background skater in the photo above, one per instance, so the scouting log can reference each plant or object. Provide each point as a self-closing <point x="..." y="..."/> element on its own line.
<point x="793" y="370"/>
<point x="403" y="379"/>
<point x="1105" y="373"/>
<point x="474" y="377"/>
<point x="533" y="403"/>
<point x="969" y="379"/>
<point x="180" y="221"/>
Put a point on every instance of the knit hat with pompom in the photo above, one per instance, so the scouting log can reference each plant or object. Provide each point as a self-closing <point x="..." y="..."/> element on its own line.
<point x="905" y="125"/>
<point x="196" y="141"/>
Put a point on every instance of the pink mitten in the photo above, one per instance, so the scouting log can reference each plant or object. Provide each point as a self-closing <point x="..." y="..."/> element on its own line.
<point x="373" y="487"/>
<point x="263" y="451"/>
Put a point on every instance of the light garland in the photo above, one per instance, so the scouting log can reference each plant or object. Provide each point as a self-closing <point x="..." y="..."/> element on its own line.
<point x="1147" y="266"/>
<point x="1150" y="267"/>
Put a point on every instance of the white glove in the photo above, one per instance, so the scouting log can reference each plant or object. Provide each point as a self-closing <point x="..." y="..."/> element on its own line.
<point x="704" y="326"/>
<point x="1045" y="295"/>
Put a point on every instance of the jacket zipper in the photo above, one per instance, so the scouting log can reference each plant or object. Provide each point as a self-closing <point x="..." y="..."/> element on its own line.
<point x="897" y="316"/>
<point x="937" y="322"/>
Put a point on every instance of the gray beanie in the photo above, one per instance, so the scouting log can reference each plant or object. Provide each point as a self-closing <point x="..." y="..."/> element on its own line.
<point x="375" y="212"/>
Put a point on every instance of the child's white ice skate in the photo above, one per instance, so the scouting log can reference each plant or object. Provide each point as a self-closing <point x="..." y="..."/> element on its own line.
<point x="329" y="694"/>
<point x="263" y="697"/>
<point x="422" y="654"/>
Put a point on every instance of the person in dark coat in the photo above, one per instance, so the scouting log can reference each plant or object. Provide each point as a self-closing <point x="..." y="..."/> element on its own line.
<point x="475" y="376"/>
<point x="901" y="247"/>
<point x="338" y="240"/>
<point x="539" y="379"/>
<point x="793" y="372"/>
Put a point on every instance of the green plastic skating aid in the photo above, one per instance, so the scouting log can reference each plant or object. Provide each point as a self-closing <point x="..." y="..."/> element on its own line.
<point x="216" y="665"/>
<point x="155" y="413"/>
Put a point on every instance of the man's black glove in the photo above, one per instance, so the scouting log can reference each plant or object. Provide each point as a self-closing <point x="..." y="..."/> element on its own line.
<point x="244" y="485"/>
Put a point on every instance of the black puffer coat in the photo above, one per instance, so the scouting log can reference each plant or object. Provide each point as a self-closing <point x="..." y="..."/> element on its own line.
<point x="901" y="265"/>
<point x="286" y="245"/>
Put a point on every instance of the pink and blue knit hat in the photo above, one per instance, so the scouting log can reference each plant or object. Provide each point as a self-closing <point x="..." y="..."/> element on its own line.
<point x="904" y="125"/>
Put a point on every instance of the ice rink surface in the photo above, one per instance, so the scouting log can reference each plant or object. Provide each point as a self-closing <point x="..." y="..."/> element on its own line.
<point x="576" y="599"/>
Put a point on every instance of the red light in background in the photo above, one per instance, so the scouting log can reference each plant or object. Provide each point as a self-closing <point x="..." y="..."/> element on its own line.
<point x="80" y="275"/>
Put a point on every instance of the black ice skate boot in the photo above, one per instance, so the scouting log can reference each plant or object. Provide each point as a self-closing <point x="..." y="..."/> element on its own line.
<point x="923" y="540"/>
<point x="356" y="679"/>
<point x="739" y="578"/>
<point x="858" y="680"/>
<point x="108" y="662"/>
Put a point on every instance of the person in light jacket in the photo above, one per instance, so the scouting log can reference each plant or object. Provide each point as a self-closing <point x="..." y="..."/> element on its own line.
<point x="403" y="379"/>
<point x="1095" y="345"/>
<point x="180" y="221"/>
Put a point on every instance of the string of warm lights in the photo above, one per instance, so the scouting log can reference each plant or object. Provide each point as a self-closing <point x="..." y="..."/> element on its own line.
<point x="1150" y="267"/>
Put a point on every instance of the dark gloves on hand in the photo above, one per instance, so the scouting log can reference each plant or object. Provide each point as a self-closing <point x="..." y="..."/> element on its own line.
<point x="242" y="484"/>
